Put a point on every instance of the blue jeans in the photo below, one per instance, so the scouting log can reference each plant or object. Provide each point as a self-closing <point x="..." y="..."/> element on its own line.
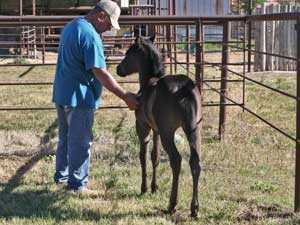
<point x="74" y="145"/>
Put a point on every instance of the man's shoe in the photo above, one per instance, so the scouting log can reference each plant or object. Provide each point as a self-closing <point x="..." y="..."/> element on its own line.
<point x="61" y="184"/>
<point x="86" y="192"/>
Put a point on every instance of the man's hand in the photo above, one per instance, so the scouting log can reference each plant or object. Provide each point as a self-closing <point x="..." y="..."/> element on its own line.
<point x="131" y="100"/>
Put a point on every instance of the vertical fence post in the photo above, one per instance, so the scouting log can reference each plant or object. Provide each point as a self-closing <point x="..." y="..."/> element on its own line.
<point x="297" y="166"/>
<point x="244" y="64"/>
<point x="249" y="35"/>
<point x="224" y="74"/>
<point x="43" y="44"/>
<point x="199" y="60"/>
<point x="187" y="31"/>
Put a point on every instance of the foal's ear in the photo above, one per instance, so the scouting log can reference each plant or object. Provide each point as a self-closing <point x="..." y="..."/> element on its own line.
<point x="152" y="38"/>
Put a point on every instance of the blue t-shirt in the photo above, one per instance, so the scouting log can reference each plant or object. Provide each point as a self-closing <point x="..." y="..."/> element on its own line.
<point x="80" y="50"/>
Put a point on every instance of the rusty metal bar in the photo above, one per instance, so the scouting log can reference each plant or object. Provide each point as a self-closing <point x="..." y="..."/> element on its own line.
<point x="297" y="151"/>
<point x="159" y="19"/>
<point x="202" y="52"/>
<point x="43" y="45"/>
<point x="187" y="31"/>
<point x="263" y="85"/>
<point x="210" y="104"/>
<point x="256" y="115"/>
<point x="198" y="62"/>
<point x="175" y="47"/>
<point x="51" y="83"/>
<point x="12" y="108"/>
<point x="249" y="45"/>
<point x="224" y="77"/>
<point x="244" y="59"/>
<point x="265" y="53"/>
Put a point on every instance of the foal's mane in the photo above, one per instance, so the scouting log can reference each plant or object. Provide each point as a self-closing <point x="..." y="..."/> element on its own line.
<point x="154" y="57"/>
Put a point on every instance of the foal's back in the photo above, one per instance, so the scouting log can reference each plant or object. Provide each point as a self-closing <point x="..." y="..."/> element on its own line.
<point x="177" y="102"/>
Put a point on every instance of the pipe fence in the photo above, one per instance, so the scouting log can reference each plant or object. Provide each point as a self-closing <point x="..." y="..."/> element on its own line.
<point x="178" y="55"/>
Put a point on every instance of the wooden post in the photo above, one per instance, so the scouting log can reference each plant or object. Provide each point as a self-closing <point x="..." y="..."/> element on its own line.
<point x="289" y="40"/>
<point x="262" y="40"/>
<point x="276" y="38"/>
<point x="270" y="40"/>
<point x="21" y="7"/>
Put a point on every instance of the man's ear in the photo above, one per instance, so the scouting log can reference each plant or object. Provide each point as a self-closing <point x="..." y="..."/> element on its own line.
<point x="102" y="15"/>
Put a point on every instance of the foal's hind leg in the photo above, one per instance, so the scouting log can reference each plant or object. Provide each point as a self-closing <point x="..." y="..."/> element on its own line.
<point x="167" y="139"/>
<point x="155" y="156"/>
<point x="194" y="139"/>
<point x="143" y="131"/>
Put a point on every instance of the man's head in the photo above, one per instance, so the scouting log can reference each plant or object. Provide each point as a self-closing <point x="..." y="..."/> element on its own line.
<point x="112" y="10"/>
<point x="105" y="16"/>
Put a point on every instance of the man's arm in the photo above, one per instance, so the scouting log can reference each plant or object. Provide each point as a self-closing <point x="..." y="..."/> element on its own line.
<point x="111" y="84"/>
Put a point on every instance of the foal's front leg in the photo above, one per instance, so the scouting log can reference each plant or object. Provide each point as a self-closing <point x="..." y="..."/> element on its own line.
<point x="143" y="131"/>
<point x="155" y="156"/>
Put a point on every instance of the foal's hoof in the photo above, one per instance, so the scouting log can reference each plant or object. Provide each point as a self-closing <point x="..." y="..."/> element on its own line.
<point x="154" y="188"/>
<point x="169" y="211"/>
<point x="194" y="211"/>
<point x="194" y="214"/>
<point x="143" y="189"/>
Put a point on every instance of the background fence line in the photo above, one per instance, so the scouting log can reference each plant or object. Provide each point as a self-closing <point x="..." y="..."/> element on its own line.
<point x="278" y="37"/>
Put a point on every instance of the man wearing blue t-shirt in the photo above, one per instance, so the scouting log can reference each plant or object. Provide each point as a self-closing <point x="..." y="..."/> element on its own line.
<point x="80" y="74"/>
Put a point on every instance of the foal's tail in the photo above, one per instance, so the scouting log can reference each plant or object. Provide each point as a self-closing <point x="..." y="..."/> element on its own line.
<point x="192" y="110"/>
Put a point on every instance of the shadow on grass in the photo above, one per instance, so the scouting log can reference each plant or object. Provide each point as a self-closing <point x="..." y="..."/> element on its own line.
<point x="274" y="212"/>
<point x="46" y="149"/>
<point x="46" y="204"/>
<point x="56" y="206"/>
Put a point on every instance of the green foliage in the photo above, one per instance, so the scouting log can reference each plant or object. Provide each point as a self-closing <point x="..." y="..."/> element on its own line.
<point x="20" y="61"/>
<point x="245" y="5"/>
<point x="263" y="187"/>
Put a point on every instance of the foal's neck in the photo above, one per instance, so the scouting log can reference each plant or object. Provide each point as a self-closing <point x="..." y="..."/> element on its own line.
<point x="147" y="79"/>
<point x="144" y="80"/>
<point x="149" y="69"/>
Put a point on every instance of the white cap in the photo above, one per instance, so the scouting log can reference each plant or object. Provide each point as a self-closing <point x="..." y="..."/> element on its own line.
<point x="113" y="11"/>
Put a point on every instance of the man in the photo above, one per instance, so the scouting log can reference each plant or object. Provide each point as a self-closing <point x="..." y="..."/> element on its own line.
<point x="80" y="74"/>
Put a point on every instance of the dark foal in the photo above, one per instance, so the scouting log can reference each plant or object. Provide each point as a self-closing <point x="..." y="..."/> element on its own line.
<point x="166" y="103"/>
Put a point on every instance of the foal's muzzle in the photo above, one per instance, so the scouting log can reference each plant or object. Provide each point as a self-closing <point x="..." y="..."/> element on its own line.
<point x="120" y="72"/>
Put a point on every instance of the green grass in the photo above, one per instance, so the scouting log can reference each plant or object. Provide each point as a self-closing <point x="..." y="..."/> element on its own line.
<point x="247" y="178"/>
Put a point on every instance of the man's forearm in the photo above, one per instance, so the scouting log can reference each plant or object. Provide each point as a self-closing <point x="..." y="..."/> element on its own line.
<point x="109" y="82"/>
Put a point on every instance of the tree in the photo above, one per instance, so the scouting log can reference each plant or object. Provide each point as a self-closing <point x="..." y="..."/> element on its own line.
<point x="243" y="5"/>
